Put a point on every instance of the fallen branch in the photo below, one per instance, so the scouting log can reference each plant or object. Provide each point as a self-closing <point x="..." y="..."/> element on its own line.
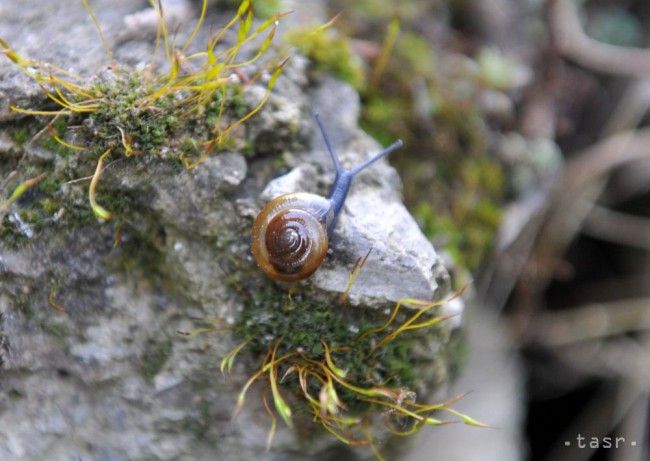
<point x="617" y="227"/>
<point x="572" y="41"/>
<point x="590" y="322"/>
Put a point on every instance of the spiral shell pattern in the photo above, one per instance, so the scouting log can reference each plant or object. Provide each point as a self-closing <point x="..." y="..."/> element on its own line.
<point x="290" y="236"/>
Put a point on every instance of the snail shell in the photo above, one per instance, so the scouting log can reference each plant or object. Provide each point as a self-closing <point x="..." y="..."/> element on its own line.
<point x="289" y="236"/>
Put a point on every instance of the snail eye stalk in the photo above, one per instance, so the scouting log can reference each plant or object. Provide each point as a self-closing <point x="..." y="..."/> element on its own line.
<point x="396" y="145"/>
<point x="335" y="158"/>
<point x="330" y="149"/>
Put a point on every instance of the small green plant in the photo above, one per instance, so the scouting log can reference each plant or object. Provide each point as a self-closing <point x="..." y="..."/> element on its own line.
<point x="138" y="112"/>
<point x="329" y="50"/>
<point x="17" y="192"/>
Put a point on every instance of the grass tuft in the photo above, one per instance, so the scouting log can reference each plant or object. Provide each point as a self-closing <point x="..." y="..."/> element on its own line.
<point x="186" y="113"/>
<point x="343" y="377"/>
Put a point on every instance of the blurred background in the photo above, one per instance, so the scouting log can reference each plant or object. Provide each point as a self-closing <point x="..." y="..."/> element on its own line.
<point x="529" y="167"/>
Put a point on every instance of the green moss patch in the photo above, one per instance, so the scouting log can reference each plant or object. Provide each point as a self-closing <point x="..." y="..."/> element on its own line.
<point x="155" y="355"/>
<point x="304" y="324"/>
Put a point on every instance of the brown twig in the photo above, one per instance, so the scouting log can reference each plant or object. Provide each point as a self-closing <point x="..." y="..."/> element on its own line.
<point x="572" y="41"/>
<point x="582" y="184"/>
<point x="591" y="322"/>
<point x="573" y="199"/>
<point x="617" y="227"/>
<point x="601" y="158"/>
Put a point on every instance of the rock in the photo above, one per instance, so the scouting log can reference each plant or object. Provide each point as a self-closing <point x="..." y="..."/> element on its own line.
<point x="58" y="33"/>
<point x="402" y="263"/>
<point x="93" y="365"/>
<point x="144" y="23"/>
<point x="7" y="145"/>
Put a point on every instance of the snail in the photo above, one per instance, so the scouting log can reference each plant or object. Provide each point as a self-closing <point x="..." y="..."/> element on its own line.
<point x="290" y="236"/>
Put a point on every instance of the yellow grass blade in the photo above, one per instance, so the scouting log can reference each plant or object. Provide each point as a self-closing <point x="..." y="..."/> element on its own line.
<point x="20" y="190"/>
<point x="101" y="213"/>
<point x="107" y="49"/>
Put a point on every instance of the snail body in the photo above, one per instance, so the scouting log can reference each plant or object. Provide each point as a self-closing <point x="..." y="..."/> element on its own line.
<point x="291" y="234"/>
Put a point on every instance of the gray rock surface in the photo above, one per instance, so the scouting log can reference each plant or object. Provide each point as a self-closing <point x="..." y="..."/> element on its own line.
<point x="93" y="366"/>
<point x="402" y="263"/>
<point x="57" y="32"/>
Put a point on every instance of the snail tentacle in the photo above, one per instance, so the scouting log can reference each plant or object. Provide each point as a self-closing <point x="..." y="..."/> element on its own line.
<point x="330" y="148"/>
<point x="396" y="145"/>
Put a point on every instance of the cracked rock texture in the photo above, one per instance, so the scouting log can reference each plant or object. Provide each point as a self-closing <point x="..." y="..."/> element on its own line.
<point x="92" y="365"/>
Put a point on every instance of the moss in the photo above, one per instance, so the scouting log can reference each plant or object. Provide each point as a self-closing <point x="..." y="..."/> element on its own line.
<point x="154" y="357"/>
<point x="200" y="421"/>
<point x="236" y="101"/>
<point x="59" y="127"/>
<point x="162" y="128"/>
<point x="144" y="130"/>
<point x="36" y="210"/>
<point x="22" y="301"/>
<point x="21" y="135"/>
<point x="190" y="147"/>
<point x="303" y="324"/>
<point x="14" y="394"/>
<point x="49" y="185"/>
<point x="467" y="239"/>
<point x="330" y="52"/>
<point x="280" y="164"/>
<point x="381" y="111"/>
<point x="138" y="254"/>
<point x="159" y="131"/>
<point x="10" y="234"/>
<point x="55" y="328"/>
<point x="458" y="351"/>
<point x="442" y="230"/>
<point x="249" y="149"/>
<point x="121" y="202"/>
<point x="417" y="53"/>
<point x="460" y="192"/>
<point x="53" y="145"/>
